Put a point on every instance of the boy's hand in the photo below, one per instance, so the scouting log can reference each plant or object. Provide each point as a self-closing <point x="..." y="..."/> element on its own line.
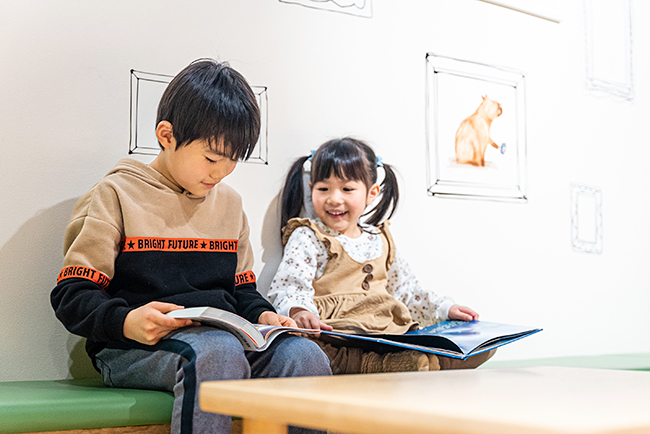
<point x="462" y="313"/>
<point x="308" y="320"/>
<point x="272" y="318"/>
<point x="148" y="324"/>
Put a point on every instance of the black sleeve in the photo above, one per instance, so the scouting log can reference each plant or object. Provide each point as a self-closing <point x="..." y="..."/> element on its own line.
<point x="250" y="303"/>
<point x="86" y="310"/>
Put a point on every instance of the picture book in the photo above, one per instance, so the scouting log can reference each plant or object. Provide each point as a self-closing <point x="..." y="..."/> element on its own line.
<point x="254" y="337"/>
<point x="457" y="339"/>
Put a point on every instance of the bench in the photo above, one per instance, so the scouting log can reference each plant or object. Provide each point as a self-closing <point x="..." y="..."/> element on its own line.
<point x="86" y="406"/>
<point x="61" y="405"/>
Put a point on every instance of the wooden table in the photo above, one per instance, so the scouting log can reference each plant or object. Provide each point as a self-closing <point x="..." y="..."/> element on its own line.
<point x="494" y="401"/>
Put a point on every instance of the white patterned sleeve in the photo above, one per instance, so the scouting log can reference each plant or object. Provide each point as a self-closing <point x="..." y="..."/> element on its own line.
<point x="304" y="255"/>
<point x="425" y="306"/>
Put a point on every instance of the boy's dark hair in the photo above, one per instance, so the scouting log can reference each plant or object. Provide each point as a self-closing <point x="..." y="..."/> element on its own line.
<point x="209" y="100"/>
<point x="345" y="158"/>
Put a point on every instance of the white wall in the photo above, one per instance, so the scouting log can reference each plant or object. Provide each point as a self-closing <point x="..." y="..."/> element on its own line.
<point x="64" y="118"/>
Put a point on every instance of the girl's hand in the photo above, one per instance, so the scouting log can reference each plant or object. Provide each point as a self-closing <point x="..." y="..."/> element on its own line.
<point x="308" y="320"/>
<point x="148" y="324"/>
<point x="462" y="313"/>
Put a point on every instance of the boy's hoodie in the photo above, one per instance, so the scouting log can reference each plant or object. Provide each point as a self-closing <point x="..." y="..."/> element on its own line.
<point x="137" y="237"/>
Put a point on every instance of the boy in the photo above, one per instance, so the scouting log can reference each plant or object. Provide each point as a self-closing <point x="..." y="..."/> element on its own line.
<point x="147" y="240"/>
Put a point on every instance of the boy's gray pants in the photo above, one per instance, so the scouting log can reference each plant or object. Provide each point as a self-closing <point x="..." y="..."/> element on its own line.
<point x="189" y="356"/>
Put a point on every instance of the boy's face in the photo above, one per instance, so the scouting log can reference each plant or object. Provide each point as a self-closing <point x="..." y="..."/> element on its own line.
<point x="197" y="168"/>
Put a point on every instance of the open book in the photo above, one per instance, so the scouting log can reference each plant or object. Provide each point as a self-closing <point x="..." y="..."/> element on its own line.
<point x="457" y="339"/>
<point x="254" y="337"/>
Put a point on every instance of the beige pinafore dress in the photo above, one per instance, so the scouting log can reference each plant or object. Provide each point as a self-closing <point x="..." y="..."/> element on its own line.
<point x="351" y="296"/>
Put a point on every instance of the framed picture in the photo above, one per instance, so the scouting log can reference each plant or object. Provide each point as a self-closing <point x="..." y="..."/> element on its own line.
<point x="476" y="130"/>
<point x="608" y="47"/>
<point x="147" y="89"/>
<point x="586" y="219"/>
<point x="360" y="8"/>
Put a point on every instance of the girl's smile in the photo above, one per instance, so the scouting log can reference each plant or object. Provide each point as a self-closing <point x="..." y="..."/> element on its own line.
<point x="339" y="203"/>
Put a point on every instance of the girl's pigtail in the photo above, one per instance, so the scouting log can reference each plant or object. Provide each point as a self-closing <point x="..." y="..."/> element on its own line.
<point x="292" y="198"/>
<point x="389" y="198"/>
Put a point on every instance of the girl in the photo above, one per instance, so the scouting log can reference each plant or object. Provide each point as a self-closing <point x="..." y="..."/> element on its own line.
<point x="339" y="273"/>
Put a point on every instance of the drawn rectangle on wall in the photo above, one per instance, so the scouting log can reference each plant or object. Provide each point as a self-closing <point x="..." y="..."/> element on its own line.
<point x="459" y="94"/>
<point x="608" y="47"/>
<point x="545" y="9"/>
<point x="146" y="90"/>
<point x="586" y="219"/>
<point x="361" y="8"/>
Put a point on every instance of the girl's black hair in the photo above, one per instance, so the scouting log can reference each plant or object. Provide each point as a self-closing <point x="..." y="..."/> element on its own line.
<point x="211" y="101"/>
<point x="345" y="158"/>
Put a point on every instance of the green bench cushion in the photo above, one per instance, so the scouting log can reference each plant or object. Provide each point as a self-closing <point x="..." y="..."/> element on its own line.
<point x="628" y="362"/>
<point x="58" y="405"/>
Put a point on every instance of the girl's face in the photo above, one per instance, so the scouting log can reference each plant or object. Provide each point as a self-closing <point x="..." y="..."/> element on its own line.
<point x="339" y="203"/>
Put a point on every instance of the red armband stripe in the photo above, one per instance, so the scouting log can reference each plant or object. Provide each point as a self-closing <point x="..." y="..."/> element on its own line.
<point x="87" y="273"/>
<point x="148" y="244"/>
<point x="245" y="277"/>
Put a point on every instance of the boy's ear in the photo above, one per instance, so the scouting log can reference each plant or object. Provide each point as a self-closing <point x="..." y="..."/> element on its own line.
<point x="165" y="135"/>
<point x="373" y="192"/>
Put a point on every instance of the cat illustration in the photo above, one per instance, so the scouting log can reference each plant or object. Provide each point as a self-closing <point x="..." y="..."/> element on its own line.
<point x="473" y="134"/>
